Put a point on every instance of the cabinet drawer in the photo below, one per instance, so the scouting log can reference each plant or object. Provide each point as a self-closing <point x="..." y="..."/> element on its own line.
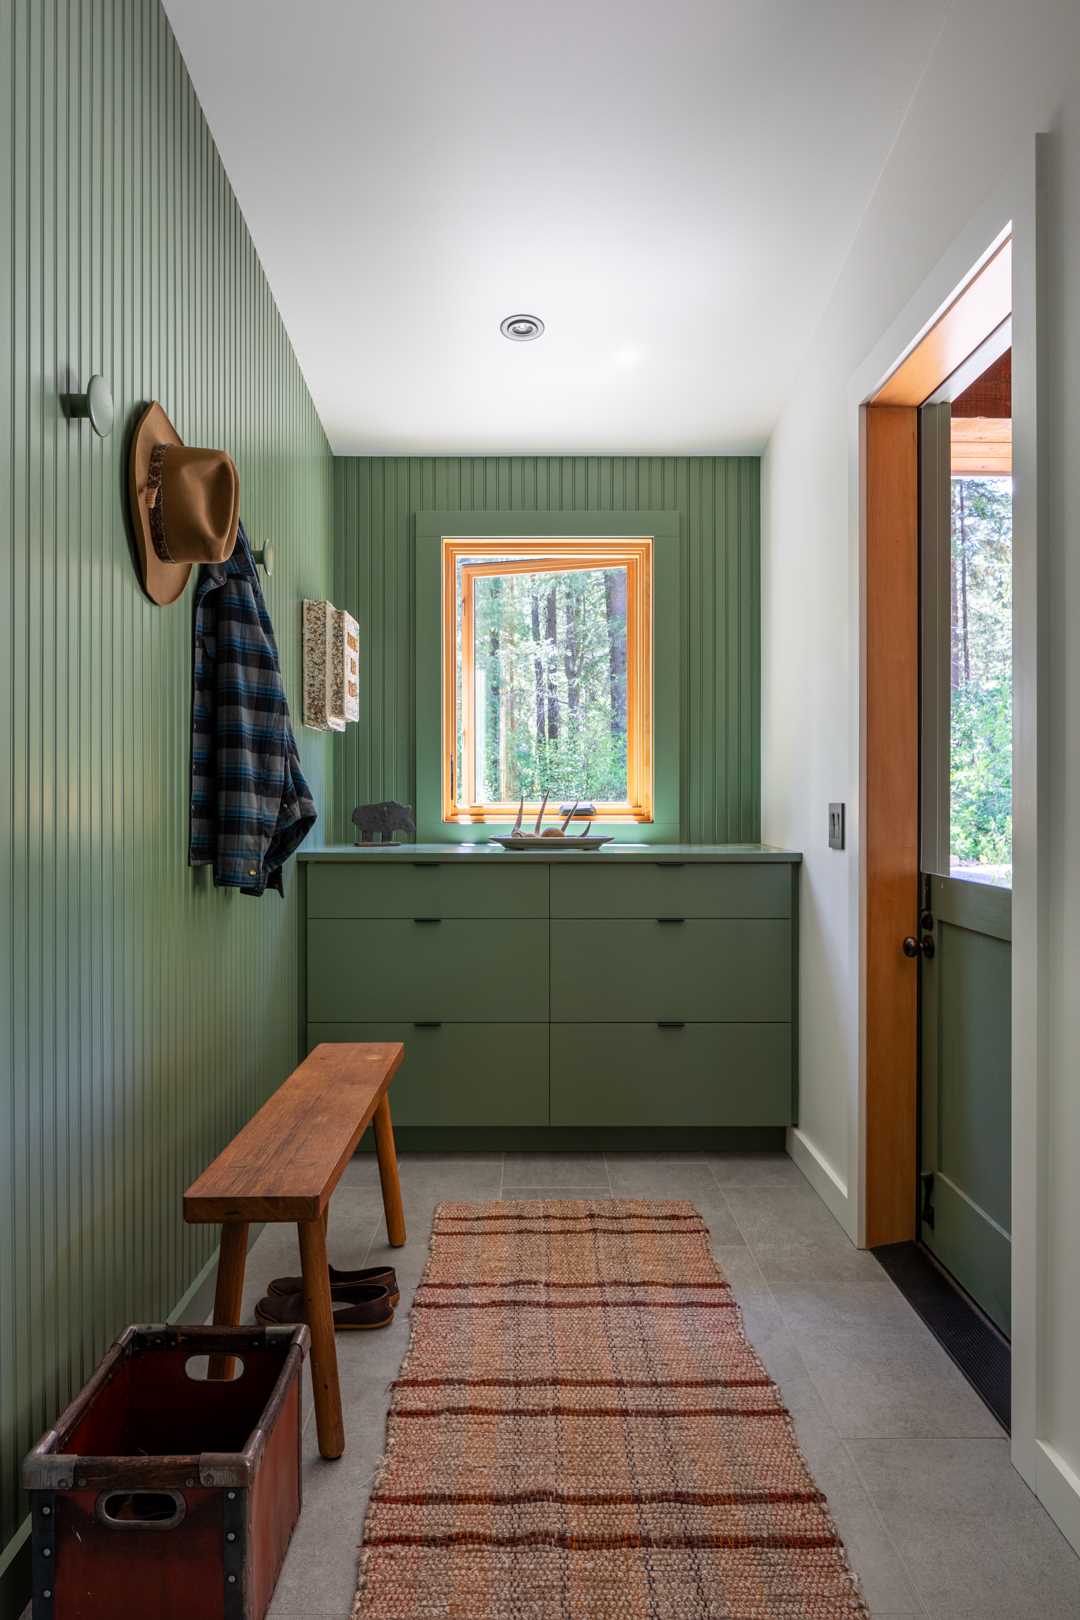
<point x="460" y="971"/>
<point x="402" y="888"/>
<point x="641" y="969"/>
<point x="460" y="1074"/>
<point x="702" y="1074"/>
<point x="617" y="888"/>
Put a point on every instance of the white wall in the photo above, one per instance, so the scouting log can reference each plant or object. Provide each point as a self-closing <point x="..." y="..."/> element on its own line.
<point x="1002" y="73"/>
<point x="810" y="733"/>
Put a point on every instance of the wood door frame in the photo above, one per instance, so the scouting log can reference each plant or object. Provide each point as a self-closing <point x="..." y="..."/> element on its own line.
<point x="890" y="737"/>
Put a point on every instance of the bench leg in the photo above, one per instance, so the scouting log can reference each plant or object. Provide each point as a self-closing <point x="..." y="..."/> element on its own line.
<point x="388" y="1174"/>
<point x="229" y="1293"/>
<point x="319" y="1313"/>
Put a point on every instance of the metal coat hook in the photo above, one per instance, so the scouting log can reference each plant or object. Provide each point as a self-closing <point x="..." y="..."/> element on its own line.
<point x="264" y="558"/>
<point x="94" y="405"/>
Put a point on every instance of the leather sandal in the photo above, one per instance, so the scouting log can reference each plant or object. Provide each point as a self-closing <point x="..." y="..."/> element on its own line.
<point x="386" y="1275"/>
<point x="358" y="1309"/>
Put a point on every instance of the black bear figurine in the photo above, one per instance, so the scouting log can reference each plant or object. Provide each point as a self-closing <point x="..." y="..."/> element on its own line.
<point x="377" y="823"/>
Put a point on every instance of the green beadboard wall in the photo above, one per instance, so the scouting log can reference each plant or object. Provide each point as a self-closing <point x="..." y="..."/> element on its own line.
<point x="144" y="1014"/>
<point x="717" y="499"/>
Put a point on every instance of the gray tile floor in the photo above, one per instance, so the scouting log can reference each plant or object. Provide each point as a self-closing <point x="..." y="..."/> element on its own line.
<point x="937" y="1523"/>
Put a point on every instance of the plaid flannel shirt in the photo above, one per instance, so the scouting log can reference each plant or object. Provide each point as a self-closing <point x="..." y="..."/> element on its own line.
<point x="250" y="805"/>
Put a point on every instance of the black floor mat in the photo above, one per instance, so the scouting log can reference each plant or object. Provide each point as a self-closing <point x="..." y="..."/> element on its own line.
<point x="978" y="1349"/>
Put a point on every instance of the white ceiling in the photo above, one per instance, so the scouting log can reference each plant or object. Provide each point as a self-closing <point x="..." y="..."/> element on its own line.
<point x="672" y="185"/>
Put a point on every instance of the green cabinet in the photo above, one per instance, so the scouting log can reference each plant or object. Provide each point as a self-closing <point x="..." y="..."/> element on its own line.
<point x="671" y="888"/>
<point x="460" y="1074"/>
<point x="684" y="1074"/>
<point x="702" y="969"/>
<point x="451" y="968"/>
<point x="405" y="888"/>
<point x="546" y="994"/>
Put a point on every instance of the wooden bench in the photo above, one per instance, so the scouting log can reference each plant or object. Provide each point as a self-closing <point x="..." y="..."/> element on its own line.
<point x="284" y="1166"/>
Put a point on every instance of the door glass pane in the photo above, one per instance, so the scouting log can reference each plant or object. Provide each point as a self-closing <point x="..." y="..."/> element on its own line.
<point x="980" y="732"/>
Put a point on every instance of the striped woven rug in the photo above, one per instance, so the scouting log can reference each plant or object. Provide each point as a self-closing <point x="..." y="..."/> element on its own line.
<point x="581" y="1431"/>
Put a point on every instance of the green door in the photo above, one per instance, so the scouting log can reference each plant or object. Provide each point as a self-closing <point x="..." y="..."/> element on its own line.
<point x="966" y="834"/>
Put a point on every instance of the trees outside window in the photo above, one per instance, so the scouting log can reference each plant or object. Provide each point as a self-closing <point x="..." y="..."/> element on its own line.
<point x="551" y="676"/>
<point x="981" y="678"/>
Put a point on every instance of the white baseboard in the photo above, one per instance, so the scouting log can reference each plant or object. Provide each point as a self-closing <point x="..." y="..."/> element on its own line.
<point x="829" y="1186"/>
<point x="1057" y="1485"/>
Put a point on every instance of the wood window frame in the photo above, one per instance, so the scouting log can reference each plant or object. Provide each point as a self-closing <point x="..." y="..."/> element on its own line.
<point x="485" y="558"/>
<point x="665" y="530"/>
<point x="890" y="703"/>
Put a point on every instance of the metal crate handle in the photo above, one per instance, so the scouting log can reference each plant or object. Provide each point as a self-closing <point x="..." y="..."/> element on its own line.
<point x="142" y="1510"/>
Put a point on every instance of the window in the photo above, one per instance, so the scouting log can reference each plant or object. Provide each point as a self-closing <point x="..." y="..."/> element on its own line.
<point x="547" y="678"/>
<point x="980" y="628"/>
<point x="457" y="783"/>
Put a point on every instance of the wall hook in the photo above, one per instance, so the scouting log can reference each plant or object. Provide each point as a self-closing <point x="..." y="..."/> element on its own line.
<point x="264" y="558"/>
<point x="94" y="406"/>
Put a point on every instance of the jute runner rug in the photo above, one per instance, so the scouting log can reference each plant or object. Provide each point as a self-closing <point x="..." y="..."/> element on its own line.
<point x="581" y="1431"/>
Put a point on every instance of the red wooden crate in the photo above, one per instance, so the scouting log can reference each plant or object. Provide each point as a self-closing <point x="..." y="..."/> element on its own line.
<point x="163" y="1494"/>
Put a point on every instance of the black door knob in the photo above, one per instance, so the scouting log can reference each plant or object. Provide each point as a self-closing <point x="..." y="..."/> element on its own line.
<point x="918" y="947"/>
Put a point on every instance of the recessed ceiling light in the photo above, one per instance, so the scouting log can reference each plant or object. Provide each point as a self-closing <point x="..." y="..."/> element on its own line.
<point x="521" y="328"/>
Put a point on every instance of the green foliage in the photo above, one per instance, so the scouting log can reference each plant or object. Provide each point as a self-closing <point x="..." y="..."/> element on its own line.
<point x="982" y="775"/>
<point x="981" y="674"/>
<point x="550" y="663"/>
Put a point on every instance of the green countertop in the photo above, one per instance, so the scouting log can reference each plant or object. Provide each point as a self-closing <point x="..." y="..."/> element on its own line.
<point x="610" y="852"/>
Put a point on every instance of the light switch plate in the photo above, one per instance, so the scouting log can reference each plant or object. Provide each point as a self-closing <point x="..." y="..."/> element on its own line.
<point x="836" y="826"/>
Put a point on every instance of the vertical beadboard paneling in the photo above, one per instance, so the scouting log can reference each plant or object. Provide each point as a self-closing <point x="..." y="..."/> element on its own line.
<point x="717" y="499"/>
<point x="144" y="1014"/>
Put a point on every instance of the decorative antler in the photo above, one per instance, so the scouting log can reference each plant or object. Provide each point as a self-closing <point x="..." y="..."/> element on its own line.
<point x="558" y="834"/>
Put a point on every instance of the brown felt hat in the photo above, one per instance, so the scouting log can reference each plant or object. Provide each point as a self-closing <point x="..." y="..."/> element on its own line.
<point x="185" y="505"/>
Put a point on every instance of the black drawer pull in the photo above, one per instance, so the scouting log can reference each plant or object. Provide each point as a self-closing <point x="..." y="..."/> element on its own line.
<point x="671" y="864"/>
<point x="427" y="1023"/>
<point x="427" y="919"/>
<point x="425" y="866"/>
<point x="671" y="1023"/>
<point x="671" y="919"/>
